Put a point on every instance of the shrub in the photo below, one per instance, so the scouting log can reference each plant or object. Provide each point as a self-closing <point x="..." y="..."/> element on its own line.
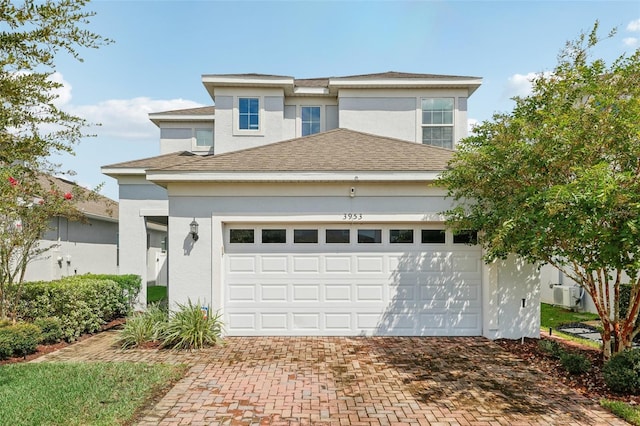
<point x="51" y="329"/>
<point x="19" y="340"/>
<point x="551" y="347"/>
<point x="143" y="327"/>
<point x="622" y="372"/>
<point x="82" y="304"/>
<point x="188" y="328"/>
<point x="5" y="323"/>
<point x="575" y="363"/>
<point x="129" y="284"/>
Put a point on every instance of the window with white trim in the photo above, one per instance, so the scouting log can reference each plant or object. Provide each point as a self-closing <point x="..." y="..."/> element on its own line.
<point x="249" y="113"/>
<point x="310" y="117"/>
<point x="204" y="138"/>
<point x="437" y="122"/>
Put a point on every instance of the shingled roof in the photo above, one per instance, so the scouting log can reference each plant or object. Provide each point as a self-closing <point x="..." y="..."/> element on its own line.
<point x="156" y="162"/>
<point x="100" y="206"/>
<point x="332" y="151"/>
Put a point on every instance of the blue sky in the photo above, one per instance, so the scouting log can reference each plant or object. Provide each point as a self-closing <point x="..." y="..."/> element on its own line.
<point x="162" y="48"/>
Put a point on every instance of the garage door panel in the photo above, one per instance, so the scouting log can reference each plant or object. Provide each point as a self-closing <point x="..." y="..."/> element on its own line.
<point x="304" y="293"/>
<point x="369" y="264"/>
<point x="352" y="289"/>
<point x="338" y="293"/>
<point x="242" y="264"/>
<point x="273" y="264"/>
<point x="306" y="264"/>
<point x="273" y="293"/>
<point x="338" y="264"/>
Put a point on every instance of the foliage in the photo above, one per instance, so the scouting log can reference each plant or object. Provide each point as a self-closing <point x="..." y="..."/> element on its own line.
<point x="623" y="410"/>
<point x="20" y="339"/>
<point x="557" y="180"/>
<point x="189" y="328"/>
<point x="81" y="393"/>
<point x="575" y="363"/>
<point x="622" y="372"/>
<point x="130" y="284"/>
<point x="82" y="304"/>
<point x="33" y="128"/>
<point x="143" y="327"/>
<point x="551" y="347"/>
<point x="51" y="329"/>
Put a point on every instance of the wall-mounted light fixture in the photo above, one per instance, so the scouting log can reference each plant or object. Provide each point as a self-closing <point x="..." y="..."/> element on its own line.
<point x="193" y="229"/>
<point x="68" y="259"/>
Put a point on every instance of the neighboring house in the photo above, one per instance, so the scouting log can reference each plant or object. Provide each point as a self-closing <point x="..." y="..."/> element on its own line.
<point x="316" y="212"/>
<point x="79" y="247"/>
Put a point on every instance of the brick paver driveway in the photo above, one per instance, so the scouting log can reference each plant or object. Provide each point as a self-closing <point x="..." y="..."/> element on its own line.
<point x="358" y="381"/>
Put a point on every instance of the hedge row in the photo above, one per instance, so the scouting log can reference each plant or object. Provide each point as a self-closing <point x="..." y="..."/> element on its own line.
<point x="81" y="303"/>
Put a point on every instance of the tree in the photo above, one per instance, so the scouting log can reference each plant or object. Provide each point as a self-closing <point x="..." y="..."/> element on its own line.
<point x="32" y="127"/>
<point x="557" y="180"/>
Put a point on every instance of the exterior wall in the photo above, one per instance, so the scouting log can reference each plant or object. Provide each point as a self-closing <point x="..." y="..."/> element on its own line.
<point x="396" y="113"/>
<point x="511" y="300"/>
<point x="550" y="276"/>
<point x="138" y="198"/>
<point x="169" y="145"/>
<point x="272" y="119"/>
<point x="80" y="248"/>
<point x="328" y="110"/>
<point x="195" y="266"/>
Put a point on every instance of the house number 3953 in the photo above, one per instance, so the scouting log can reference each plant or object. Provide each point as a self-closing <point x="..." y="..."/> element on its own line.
<point x="352" y="216"/>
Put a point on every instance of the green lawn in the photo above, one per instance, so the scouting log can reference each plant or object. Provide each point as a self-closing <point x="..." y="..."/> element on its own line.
<point x="80" y="393"/>
<point x="156" y="293"/>
<point x="623" y="410"/>
<point x="554" y="316"/>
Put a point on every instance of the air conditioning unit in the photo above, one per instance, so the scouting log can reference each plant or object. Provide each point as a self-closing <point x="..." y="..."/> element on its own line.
<point x="566" y="295"/>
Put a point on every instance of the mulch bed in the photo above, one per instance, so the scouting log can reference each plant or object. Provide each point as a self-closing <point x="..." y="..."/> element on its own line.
<point x="591" y="384"/>
<point x="45" y="349"/>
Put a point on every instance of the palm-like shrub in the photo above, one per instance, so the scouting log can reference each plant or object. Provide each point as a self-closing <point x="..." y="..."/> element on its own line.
<point x="190" y="328"/>
<point x="143" y="327"/>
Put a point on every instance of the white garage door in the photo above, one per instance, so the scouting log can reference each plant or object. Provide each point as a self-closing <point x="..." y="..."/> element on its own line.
<point x="325" y="279"/>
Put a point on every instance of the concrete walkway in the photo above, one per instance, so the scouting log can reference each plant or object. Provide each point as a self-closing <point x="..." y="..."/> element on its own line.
<point x="353" y="381"/>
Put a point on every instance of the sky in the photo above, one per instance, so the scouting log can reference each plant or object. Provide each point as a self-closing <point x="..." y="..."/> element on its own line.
<point x="161" y="49"/>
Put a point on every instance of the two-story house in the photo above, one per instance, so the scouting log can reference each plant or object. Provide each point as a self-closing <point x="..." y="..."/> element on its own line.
<point x="308" y="207"/>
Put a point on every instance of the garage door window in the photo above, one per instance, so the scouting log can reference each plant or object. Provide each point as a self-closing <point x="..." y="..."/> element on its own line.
<point x="401" y="236"/>
<point x="274" y="236"/>
<point x="241" y="236"/>
<point x="465" y="237"/>
<point x="338" y="236"/>
<point x="433" y="236"/>
<point x="305" y="236"/>
<point x="369" y="236"/>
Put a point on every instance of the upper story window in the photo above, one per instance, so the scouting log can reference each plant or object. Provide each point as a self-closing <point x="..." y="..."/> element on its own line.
<point x="249" y="113"/>
<point x="437" y="122"/>
<point x="204" y="138"/>
<point x="310" y="120"/>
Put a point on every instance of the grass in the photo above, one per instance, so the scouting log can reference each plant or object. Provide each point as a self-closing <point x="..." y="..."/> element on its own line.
<point x="80" y="393"/>
<point x="623" y="410"/>
<point x="553" y="316"/>
<point x="156" y="293"/>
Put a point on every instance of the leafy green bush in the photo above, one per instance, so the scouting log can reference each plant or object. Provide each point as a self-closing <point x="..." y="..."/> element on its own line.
<point x="622" y="372"/>
<point x="625" y="297"/>
<point x="143" y="327"/>
<point x="51" y="329"/>
<point x="188" y="328"/>
<point x="82" y="304"/>
<point x="19" y="340"/>
<point x="551" y="347"/>
<point x="5" y="322"/>
<point x="575" y="363"/>
<point x="130" y="285"/>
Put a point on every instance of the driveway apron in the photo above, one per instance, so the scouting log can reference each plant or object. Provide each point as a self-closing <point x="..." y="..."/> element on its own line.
<point x="353" y="381"/>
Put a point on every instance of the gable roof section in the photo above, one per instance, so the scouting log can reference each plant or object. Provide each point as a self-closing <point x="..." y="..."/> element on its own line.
<point x="100" y="207"/>
<point x="206" y="113"/>
<point x="138" y="167"/>
<point x="326" y="86"/>
<point x="331" y="155"/>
